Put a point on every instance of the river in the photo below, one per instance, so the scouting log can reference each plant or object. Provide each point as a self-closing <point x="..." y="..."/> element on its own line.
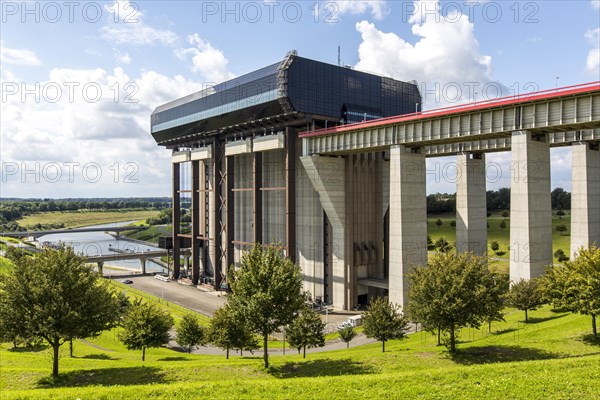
<point x="100" y="243"/>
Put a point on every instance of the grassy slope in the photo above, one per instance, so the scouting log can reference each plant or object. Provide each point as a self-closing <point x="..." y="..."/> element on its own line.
<point x="76" y="219"/>
<point x="545" y="359"/>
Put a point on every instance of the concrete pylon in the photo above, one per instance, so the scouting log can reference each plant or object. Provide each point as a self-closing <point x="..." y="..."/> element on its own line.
<point x="585" y="197"/>
<point x="328" y="177"/>
<point x="530" y="206"/>
<point x="408" y="218"/>
<point x="143" y="265"/>
<point x="471" y="207"/>
<point x="100" y="267"/>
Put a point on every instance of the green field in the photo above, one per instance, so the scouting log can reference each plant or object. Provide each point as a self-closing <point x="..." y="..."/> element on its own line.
<point x="495" y="233"/>
<point x="552" y="357"/>
<point x="75" y="219"/>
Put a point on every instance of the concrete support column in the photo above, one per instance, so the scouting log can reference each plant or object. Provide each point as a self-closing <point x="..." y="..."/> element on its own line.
<point x="530" y="206"/>
<point x="471" y="208"/>
<point x="176" y="219"/>
<point x="143" y="265"/>
<point x="257" y="203"/>
<point x="290" y="192"/>
<point x="197" y="175"/>
<point x="100" y="267"/>
<point x="408" y="218"/>
<point x="328" y="177"/>
<point x="585" y="197"/>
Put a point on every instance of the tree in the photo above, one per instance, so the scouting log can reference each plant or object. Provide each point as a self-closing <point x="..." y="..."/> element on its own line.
<point x="502" y="225"/>
<point x="560" y="255"/>
<point x="505" y="214"/>
<point x="576" y="285"/>
<point x="227" y="331"/>
<point x="306" y="331"/>
<point x="451" y="292"/>
<point x="524" y="295"/>
<point x="54" y="296"/>
<point x="384" y="321"/>
<point x="561" y="229"/>
<point x="190" y="333"/>
<point x="347" y="333"/>
<point x="496" y="300"/>
<point x="495" y="246"/>
<point x="145" y="325"/>
<point x="560" y="214"/>
<point x="430" y="245"/>
<point x="442" y="245"/>
<point x="266" y="292"/>
<point x="453" y="223"/>
<point x="439" y="223"/>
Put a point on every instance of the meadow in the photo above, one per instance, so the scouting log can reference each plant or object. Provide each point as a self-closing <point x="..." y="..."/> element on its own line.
<point x="76" y="219"/>
<point x="553" y="356"/>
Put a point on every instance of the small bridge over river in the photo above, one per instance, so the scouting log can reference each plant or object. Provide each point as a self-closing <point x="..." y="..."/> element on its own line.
<point x="142" y="256"/>
<point x="36" y="234"/>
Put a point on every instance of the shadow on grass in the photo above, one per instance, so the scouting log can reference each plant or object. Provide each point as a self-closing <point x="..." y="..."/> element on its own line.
<point x="99" y="357"/>
<point x="105" y="377"/>
<point x="317" y="368"/>
<point x="29" y="349"/>
<point x="499" y="354"/>
<point x="591" y="339"/>
<point x="175" y="359"/>
<point x="535" y="320"/>
<point x="503" y="331"/>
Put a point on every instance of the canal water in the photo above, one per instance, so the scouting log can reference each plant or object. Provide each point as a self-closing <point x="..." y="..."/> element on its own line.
<point x="101" y="243"/>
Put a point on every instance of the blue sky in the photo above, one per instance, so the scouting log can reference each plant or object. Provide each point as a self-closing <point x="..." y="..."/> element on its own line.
<point x="80" y="79"/>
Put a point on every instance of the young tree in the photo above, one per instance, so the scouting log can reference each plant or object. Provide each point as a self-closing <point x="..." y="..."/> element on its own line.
<point x="505" y="214"/>
<point x="228" y="331"/>
<point x="442" y="245"/>
<point x="451" y="292"/>
<point x="266" y="292"/>
<point x="439" y="222"/>
<point x="560" y="255"/>
<point x="496" y="300"/>
<point x="453" y="223"/>
<point x="525" y="295"/>
<point x="190" y="333"/>
<point x="502" y="225"/>
<point x="576" y="285"/>
<point x="495" y="246"/>
<point x="561" y="229"/>
<point x="306" y="331"/>
<point x="54" y="296"/>
<point x="145" y="325"/>
<point x="560" y="214"/>
<point x="384" y="321"/>
<point x="347" y="334"/>
<point x="430" y="245"/>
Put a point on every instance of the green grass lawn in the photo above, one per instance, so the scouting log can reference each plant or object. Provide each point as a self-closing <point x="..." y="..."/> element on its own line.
<point x="75" y="219"/>
<point x="552" y="357"/>
<point x="495" y="233"/>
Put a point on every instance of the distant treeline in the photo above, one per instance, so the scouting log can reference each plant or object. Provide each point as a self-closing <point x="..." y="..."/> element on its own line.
<point x="497" y="200"/>
<point x="14" y="209"/>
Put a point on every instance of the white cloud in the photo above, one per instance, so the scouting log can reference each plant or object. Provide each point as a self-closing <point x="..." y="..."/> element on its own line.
<point x="18" y="56"/>
<point x="106" y="127"/>
<point x="446" y="58"/>
<point x="377" y="8"/>
<point x="126" y="26"/>
<point x="596" y="4"/>
<point x="593" y="58"/>
<point x="209" y="61"/>
<point x="122" y="58"/>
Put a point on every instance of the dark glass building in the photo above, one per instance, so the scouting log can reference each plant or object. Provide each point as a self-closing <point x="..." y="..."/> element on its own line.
<point x="295" y="86"/>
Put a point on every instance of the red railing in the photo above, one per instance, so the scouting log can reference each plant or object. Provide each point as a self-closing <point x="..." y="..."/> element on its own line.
<point x="478" y="105"/>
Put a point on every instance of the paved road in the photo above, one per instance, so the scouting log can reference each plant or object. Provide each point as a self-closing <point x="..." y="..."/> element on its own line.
<point x="195" y="299"/>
